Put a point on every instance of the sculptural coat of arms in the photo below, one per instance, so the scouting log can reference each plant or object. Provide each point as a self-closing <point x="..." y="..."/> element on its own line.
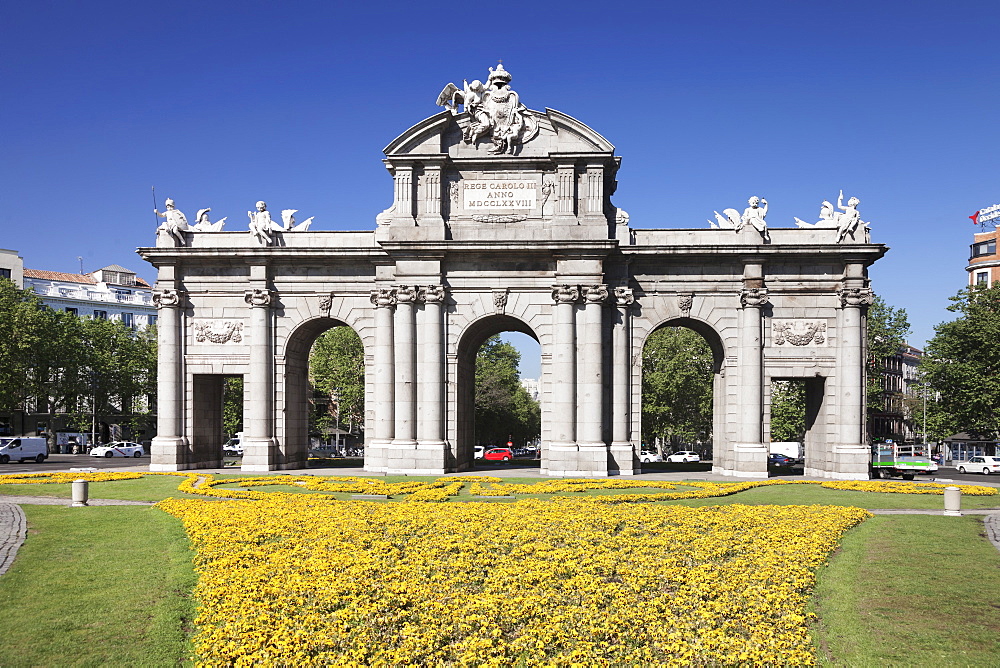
<point x="494" y="109"/>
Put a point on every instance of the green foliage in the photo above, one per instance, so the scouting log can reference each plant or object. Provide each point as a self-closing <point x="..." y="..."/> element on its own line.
<point x="337" y="370"/>
<point x="71" y="364"/>
<point x="232" y="405"/>
<point x="503" y="407"/>
<point x="677" y="375"/>
<point x="888" y="328"/>
<point x="962" y="365"/>
<point x="788" y="410"/>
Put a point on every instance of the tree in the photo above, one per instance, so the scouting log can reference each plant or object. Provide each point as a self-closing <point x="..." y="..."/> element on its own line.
<point x="788" y="410"/>
<point x="337" y="371"/>
<point x="888" y="328"/>
<point x="503" y="407"/>
<point x="677" y="375"/>
<point x="962" y="365"/>
<point x="232" y="405"/>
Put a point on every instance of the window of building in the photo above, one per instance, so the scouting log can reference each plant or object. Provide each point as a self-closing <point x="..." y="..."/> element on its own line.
<point x="150" y="319"/>
<point x="4" y="273"/>
<point x="127" y="319"/>
<point x="72" y="311"/>
<point x="984" y="248"/>
<point x="100" y="315"/>
<point x="982" y="278"/>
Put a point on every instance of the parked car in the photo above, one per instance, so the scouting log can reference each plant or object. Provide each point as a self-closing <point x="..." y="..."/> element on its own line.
<point x="684" y="456"/>
<point x="779" y="461"/>
<point x="23" y="448"/>
<point x="647" y="456"/>
<point x="987" y="465"/>
<point x="118" y="449"/>
<point x="499" y="455"/>
<point x="478" y="452"/>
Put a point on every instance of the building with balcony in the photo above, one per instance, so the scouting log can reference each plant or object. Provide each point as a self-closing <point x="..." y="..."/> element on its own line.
<point x="899" y="390"/>
<point x="111" y="293"/>
<point x="984" y="263"/>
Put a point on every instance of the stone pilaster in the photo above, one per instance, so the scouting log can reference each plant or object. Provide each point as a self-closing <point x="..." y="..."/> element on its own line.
<point x="851" y="454"/>
<point x="564" y="367"/>
<point x="405" y="354"/>
<point x="621" y="445"/>
<point x="430" y="427"/>
<point x="403" y="187"/>
<point x="258" y="421"/>
<point x="168" y="451"/>
<point x="565" y="192"/>
<point x="751" y="452"/>
<point x="431" y="195"/>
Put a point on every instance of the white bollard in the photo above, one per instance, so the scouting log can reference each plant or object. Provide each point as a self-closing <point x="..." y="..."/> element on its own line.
<point x="953" y="501"/>
<point x="80" y="493"/>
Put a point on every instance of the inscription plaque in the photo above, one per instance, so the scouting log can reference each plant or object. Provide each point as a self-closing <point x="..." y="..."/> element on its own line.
<point x="499" y="195"/>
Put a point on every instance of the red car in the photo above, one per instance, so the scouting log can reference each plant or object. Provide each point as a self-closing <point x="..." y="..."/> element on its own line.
<point x="499" y="454"/>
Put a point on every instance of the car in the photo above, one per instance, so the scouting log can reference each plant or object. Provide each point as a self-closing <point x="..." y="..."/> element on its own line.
<point x="118" y="449"/>
<point x="684" y="456"/>
<point x="779" y="461"/>
<point x="647" y="456"/>
<point x="24" y="448"/>
<point x="498" y="455"/>
<point x="986" y="465"/>
<point x="478" y="452"/>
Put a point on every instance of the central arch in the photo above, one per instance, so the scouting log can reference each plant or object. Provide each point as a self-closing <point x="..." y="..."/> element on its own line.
<point x="470" y="341"/>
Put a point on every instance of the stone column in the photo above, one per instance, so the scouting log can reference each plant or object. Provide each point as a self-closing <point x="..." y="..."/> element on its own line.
<point x="385" y="390"/>
<point x="563" y="378"/>
<point x="851" y="455"/>
<point x="169" y="447"/>
<point x="620" y="376"/>
<point x="430" y="428"/>
<point x="258" y="422"/>
<point x="590" y="387"/>
<point x="405" y="354"/>
<point x="751" y="453"/>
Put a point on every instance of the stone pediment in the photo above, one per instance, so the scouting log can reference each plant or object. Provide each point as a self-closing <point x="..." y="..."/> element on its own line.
<point x="443" y="134"/>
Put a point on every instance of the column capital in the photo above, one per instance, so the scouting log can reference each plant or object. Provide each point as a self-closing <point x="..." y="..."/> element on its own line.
<point x="596" y="294"/>
<point x="257" y="298"/>
<point x="565" y="294"/>
<point x="624" y="297"/>
<point x="753" y="297"/>
<point x="406" y="294"/>
<point x="431" y="294"/>
<point x="856" y="297"/>
<point x="167" y="298"/>
<point x="383" y="297"/>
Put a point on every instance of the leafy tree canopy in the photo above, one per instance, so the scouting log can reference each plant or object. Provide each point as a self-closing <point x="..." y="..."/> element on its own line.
<point x="677" y="376"/>
<point x="504" y="409"/>
<point x="888" y="328"/>
<point x="962" y="366"/>
<point x="337" y="369"/>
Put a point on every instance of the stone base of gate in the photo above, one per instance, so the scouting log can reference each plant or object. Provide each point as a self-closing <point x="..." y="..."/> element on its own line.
<point x="749" y="461"/>
<point x="582" y="460"/>
<point x="845" y="462"/>
<point x="169" y="454"/>
<point x="259" y="455"/>
<point x="410" y="458"/>
<point x="623" y="460"/>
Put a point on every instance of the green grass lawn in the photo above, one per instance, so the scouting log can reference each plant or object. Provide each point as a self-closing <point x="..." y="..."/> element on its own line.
<point x="151" y="488"/>
<point x="910" y="590"/>
<point x="99" y="586"/>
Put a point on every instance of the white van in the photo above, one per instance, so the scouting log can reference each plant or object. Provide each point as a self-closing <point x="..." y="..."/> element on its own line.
<point x="23" y="448"/>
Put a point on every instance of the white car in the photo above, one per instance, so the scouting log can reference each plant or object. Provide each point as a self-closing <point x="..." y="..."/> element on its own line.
<point x="987" y="465"/>
<point x="684" y="456"/>
<point x="648" y="456"/>
<point x="478" y="452"/>
<point x="118" y="449"/>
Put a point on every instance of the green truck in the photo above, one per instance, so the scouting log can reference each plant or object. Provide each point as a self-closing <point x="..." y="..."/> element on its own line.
<point x="890" y="460"/>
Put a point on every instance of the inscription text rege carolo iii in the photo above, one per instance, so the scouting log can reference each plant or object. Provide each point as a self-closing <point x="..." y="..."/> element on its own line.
<point x="495" y="194"/>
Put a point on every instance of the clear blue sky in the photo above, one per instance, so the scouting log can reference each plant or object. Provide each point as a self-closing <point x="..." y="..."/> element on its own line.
<point x="222" y="103"/>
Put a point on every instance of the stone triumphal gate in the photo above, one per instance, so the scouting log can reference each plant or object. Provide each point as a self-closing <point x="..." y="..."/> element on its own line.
<point x="502" y="220"/>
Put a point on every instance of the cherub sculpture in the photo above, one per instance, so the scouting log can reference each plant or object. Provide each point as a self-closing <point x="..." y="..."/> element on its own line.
<point x="261" y="225"/>
<point x="175" y="225"/>
<point x="753" y="215"/>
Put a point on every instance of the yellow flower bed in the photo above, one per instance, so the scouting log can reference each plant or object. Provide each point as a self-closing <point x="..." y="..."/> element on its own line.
<point x="67" y="476"/>
<point x="304" y="582"/>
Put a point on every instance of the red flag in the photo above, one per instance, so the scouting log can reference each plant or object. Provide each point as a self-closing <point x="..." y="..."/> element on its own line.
<point x="975" y="218"/>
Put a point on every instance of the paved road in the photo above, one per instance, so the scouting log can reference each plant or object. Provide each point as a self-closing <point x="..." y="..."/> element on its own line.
<point x="66" y="462"/>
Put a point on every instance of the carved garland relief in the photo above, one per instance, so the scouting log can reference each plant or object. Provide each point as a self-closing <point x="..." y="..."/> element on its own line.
<point x="798" y="332"/>
<point x="218" y="331"/>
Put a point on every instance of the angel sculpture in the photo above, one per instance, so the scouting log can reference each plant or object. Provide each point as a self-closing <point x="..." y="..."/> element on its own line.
<point x="753" y="215"/>
<point x="261" y="225"/>
<point x="175" y="225"/>
<point x="205" y="224"/>
<point x="288" y="217"/>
